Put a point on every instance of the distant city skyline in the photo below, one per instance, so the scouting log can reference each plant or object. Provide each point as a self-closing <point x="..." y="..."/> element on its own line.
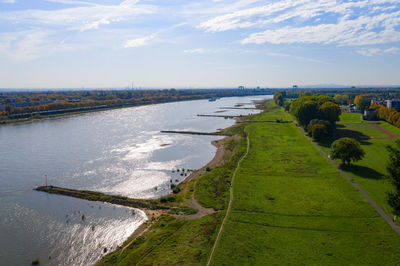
<point x="198" y="44"/>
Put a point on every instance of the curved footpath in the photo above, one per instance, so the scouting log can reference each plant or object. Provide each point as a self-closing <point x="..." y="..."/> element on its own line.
<point x="371" y="201"/>
<point x="230" y="202"/>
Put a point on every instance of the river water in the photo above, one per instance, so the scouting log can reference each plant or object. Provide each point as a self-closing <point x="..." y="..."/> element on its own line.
<point x="118" y="151"/>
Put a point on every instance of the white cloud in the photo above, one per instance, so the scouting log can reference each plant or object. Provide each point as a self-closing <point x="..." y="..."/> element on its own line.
<point x="295" y="57"/>
<point x="22" y="46"/>
<point x="84" y="17"/>
<point x="305" y="21"/>
<point x="138" y="42"/>
<point x="378" y="51"/>
<point x="195" y="51"/>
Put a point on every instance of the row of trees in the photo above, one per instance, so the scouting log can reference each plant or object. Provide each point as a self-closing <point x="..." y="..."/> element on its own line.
<point x="53" y="101"/>
<point x="316" y="114"/>
<point x="386" y="114"/>
<point x="279" y="98"/>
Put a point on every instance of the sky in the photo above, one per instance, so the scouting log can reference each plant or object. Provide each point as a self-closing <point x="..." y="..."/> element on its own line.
<point x="198" y="44"/>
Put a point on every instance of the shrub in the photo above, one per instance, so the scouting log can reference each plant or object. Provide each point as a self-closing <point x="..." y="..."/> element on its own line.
<point x="168" y="198"/>
<point x="176" y="190"/>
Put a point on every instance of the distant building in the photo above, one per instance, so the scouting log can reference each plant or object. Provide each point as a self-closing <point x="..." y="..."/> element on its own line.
<point x="241" y="87"/>
<point x="353" y="108"/>
<point x="395" y="103"/>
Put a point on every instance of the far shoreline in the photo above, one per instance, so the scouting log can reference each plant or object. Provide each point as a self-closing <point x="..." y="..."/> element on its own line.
<point x="72" y="113"/>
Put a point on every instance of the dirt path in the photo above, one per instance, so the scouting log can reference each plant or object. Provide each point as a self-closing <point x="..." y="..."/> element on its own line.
<point x="230" y="202"/>
<point x="216" y="161"/>
<point x="384" y="130"/>
<point x="371" y="201"/>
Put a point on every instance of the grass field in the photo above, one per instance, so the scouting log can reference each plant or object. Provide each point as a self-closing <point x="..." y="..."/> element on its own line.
<point x="370" y="172"/>
<point x="350" y="117"/>
<point x="291" y="206"/>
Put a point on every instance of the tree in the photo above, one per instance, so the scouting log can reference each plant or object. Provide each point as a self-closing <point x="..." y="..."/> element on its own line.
<point x="342" y="99"/>
<point x="347" y="150"/>
<point x="330" y="111"/>
<point x="278" y="98"/>
<point x="393" y="168"/>
<point x="363" y="104"/>
<point x="307" y="112"/>
<point x="328" y="125"/>
<point x="319" y="131"/>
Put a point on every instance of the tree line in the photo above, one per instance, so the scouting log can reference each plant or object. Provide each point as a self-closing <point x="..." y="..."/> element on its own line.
<point x="41" y="102"/>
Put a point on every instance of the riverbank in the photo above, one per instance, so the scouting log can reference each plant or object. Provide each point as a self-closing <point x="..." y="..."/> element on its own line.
<point x="182" y="206"/>
<point x="188" y="238"/>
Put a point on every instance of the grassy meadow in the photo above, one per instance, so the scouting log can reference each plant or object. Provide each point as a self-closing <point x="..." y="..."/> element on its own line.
<point x="369" y="173"/>
<point x="291" y="206"/>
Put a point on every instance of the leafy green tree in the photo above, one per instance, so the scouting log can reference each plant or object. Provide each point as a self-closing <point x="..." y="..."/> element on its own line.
<point x="330" y="111"/>
<point x="347" y="150"/>
<point x="307" y="108"/>
<point x="393" y="169"/>
<point x="342" y="98"/>
<point x="307" y="112"/>
<point x="363" y="104"/>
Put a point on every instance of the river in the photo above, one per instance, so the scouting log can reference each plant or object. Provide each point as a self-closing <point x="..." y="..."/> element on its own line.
<point x="118" y="151"/>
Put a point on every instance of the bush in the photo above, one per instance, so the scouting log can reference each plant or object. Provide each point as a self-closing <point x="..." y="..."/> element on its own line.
<point x="168" y="198"/>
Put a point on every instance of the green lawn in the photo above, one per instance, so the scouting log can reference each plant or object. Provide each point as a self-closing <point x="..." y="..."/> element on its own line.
<point x="350" y="117"/>
<point x="369" y="172"/>
<point x="291" y="206"/>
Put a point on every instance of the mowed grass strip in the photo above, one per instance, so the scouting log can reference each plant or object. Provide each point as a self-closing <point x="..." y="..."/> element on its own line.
<point x="369" y="173"/>
<point x="291" y="206"/>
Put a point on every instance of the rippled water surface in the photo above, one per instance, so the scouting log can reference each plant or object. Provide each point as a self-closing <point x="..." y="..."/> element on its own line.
<point x="119" y="151"/>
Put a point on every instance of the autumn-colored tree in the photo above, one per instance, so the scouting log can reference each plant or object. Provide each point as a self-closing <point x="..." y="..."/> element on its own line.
<point x="319" y="131"/>
<point x="368" y="96"/>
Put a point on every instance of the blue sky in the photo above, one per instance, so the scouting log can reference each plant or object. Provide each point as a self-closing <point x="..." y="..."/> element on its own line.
<point x="209" y="43"/>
